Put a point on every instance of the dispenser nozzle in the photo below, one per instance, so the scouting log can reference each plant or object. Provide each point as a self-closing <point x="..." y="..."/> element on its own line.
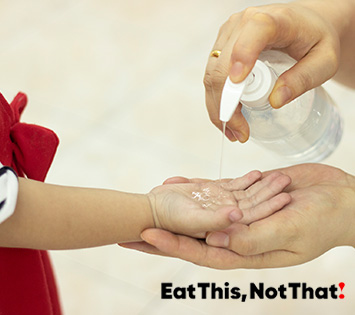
<point x="231" y="95"/>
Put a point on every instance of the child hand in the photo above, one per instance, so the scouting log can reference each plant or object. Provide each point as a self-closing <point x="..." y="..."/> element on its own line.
<point x="195" y="207"/>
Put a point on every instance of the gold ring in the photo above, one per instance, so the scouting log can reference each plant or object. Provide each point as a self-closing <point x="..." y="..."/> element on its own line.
<point x="215" y="53"/>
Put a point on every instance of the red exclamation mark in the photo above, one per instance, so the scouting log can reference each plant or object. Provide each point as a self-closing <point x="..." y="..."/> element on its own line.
<point x="341" y="285"/>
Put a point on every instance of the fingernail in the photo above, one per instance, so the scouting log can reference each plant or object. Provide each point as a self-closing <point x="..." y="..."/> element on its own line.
<point x="240" y="135"/>
<point x="144" y="238"/>
<point x="230" y="135"/>
<point x="235" y="215"/>
<point x="218" y="239"/>
<point x="236" y="72"/>
<point x="281" y="96"/>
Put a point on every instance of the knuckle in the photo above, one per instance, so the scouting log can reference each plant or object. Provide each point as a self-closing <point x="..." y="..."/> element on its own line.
<point x="254" y="200"/>
<point x="239" y="195"/>
<point x="256" y="14"/>
<point x="232" y="19"/>
<point x="306" y="80"/>
<point x="266" y="20"/>
<point x="277" y="173"/>
<point x="207" y="81"/>
<point x="263" y="17"/>
<point x="283" y="11"/>
<point x="273" y="175"/>
<point x="243" y="204"/>
<point x="333" y="60"/>
<point x="267" y="15"/>
<point x="214" y="78"/>
<point x="230" y="23"/>
<point x="250" y="12"/>
<point x="247" y="247"/>
<point x="252" y="214"/>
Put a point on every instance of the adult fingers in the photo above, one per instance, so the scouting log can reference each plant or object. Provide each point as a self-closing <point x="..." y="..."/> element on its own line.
<point x="190" y="249"/>
<point x="265" y="189"/>
<point x="258" y="187"/>
<point x="258" y="30"/>
<point x="142" y="247"/>
<point x="271" y="234"/>
<point x="199" y="253"/>
<point x="217" y="70"/>
<point x="215" y="76"/>
<point x="319" y="65"/>
<point x="242" y="183"/>
<point x="303" y="175"/>
<point x="238" y="126"/>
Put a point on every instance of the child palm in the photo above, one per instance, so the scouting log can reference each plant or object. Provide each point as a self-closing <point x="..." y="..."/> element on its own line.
<point x="195" y="207"/>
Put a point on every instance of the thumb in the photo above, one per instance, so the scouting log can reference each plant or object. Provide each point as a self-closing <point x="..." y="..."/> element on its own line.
<point x="176" y="180"/>
<point x="184" y="180"/>
<point x="311" y="71"/>
<point x="205" y="220"/>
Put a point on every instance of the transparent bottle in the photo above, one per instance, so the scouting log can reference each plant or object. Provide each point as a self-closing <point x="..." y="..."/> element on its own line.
<point x="308" y="129"/>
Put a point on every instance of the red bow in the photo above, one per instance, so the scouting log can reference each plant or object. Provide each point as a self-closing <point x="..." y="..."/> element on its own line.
<point x="28" y="149"/>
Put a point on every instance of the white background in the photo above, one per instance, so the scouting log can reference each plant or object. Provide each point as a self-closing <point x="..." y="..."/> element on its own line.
<point x="120" y="82"/>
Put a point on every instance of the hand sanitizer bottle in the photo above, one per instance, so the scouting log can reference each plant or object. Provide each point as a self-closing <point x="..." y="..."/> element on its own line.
<point x="308" y="129"/>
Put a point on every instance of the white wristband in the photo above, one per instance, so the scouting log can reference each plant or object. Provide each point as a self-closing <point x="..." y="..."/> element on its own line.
<point x="8" y="192"/>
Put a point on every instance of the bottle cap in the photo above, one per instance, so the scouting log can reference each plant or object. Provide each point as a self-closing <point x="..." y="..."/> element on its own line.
<point x="254" y="91"/>
<point x="257" y="91"/>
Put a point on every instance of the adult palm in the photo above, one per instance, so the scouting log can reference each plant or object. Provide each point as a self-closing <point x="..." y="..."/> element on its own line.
<point x="320" y="216"/>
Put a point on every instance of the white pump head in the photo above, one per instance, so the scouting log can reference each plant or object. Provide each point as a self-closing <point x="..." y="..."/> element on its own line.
<point x="254" y="91"/>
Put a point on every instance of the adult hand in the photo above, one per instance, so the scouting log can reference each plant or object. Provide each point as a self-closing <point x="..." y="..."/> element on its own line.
<point x="195" y="208"/>
<point x="320" y="216"/>
<point x="299" y="29"/>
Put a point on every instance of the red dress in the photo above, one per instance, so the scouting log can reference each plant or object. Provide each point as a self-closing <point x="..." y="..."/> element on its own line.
<point x="27" y="284"/>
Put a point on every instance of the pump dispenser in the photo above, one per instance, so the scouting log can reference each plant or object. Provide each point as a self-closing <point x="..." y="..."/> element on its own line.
<point x="254" y="91"/>
<point x="308" y="129"/>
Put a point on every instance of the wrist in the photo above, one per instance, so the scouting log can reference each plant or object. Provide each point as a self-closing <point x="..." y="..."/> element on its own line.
<point x="153" y="209"/>
<point x="132" y="216"/>
<point x="148" y="204"/>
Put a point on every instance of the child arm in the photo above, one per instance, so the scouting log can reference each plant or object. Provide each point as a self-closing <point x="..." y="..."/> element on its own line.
<point x="59" y="217"/>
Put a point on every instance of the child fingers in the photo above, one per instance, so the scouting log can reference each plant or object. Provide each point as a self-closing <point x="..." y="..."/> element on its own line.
<point x="264" y="190"/>
<point x="242" y="183"/>
<point x="265" y="208"/>
<point x="260" y="237"/>
<point x="252" y="190"/>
